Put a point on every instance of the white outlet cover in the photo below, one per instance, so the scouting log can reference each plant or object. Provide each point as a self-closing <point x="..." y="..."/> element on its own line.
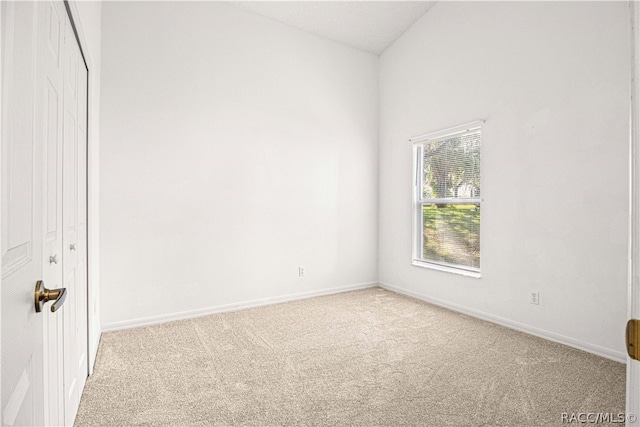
<point x="534" y="298"/>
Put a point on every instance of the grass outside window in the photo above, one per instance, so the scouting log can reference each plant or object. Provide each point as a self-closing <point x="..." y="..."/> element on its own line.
<point x="451" y="234"/>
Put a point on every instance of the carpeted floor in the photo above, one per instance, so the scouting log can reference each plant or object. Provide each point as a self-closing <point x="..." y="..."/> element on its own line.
<point x="362" y="358"/>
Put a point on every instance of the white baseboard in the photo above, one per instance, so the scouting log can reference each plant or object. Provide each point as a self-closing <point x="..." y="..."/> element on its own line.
<point x="163" y="318"/>
<point x="551" y="336"/>
<point x="561" y="339"/>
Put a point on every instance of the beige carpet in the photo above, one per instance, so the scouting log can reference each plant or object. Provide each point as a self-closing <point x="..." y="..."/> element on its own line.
<point x="362" y="358"/>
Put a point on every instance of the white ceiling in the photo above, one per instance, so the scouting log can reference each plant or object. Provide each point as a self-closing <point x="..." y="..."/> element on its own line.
<point x="367" y="25"/>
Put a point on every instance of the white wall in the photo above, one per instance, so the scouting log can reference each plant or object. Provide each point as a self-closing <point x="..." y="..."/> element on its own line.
<point x="233" y="150"/>
<point x="551" y="78"/>
<point x="88" y="20"/>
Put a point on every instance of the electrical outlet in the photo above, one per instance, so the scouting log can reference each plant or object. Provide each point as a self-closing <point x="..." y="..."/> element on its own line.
<point x="300" y="271"/>
<point x="534" y="298"/>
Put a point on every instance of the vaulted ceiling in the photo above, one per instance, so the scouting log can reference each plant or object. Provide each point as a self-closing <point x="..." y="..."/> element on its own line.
<point x="367" y="25"/>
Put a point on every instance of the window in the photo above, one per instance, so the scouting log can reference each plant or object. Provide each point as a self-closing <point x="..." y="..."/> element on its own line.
<point x="447" y="199"/>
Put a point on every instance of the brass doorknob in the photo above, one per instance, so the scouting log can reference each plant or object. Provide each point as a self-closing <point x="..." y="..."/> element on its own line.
<point x="43" y="295"/>
<point x="632" y="335"/>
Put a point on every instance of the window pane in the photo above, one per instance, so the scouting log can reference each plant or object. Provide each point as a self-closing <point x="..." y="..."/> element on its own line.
<point x="451" y="167"/>
<point x="452" y="234"/>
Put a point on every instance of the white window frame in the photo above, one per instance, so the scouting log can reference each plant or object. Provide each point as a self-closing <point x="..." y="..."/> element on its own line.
<point x="418" y="143"/>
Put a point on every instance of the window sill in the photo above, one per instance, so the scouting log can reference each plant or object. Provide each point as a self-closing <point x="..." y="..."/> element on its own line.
<point x="438" y="267"/>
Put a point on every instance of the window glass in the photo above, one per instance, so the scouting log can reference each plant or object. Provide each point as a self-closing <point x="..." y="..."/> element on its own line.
<point x="447" y="199"/>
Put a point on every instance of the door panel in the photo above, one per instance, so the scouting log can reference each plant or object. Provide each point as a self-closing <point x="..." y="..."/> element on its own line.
<point x="22" y="373"/>
<point x="53" y="22"/>
<point x="74" y="238"/>
<point x="81" y="233"/>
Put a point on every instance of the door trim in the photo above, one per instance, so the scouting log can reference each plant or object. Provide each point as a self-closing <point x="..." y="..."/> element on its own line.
<point x="633" y="303"/>
<point x="1" y="79"/>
